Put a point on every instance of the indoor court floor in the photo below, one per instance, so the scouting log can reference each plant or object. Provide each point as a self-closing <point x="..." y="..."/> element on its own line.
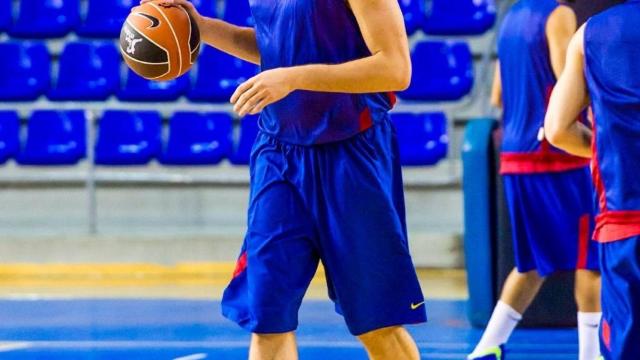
<point x="154" y="312"/>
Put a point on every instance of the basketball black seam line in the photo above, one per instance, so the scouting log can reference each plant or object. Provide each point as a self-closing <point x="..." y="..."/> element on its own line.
<point x="175" y="37"/>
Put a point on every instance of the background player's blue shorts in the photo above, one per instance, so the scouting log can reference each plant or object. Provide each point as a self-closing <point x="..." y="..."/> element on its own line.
<point x="552" y="221"/>
<point x="340" y="203"/>
<point x="620" y="329"/>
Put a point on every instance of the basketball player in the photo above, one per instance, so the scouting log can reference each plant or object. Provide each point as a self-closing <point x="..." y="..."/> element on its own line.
<point x="325" y="177"/>
<point x="602" y="70"/>
<point x="549" y="193"/>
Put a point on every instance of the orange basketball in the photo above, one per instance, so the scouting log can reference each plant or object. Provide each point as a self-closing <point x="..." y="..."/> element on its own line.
<point x="159" y="41"/>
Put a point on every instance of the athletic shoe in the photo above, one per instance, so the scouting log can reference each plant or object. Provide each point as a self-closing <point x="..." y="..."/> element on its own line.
<point x="492" y="353"/>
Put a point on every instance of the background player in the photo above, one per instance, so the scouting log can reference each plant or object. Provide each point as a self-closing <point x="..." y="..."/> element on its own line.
<point x="601" y="69"/>
<point x="325" y="175"/>
<point x="549" y="193"/>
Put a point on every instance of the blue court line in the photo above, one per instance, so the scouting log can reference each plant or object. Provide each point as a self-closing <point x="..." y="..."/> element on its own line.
<point x="191" y="329"/>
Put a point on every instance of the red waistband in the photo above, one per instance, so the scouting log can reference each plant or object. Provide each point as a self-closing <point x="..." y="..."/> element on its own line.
<point x="617" y="225"/>
<point x="539" y="162"/>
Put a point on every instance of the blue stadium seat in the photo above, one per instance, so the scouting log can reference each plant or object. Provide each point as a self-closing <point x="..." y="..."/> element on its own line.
<point x="238" y="12"/>
<point x="248" y="133"/>
<point x="137" y="88"/>
<point x="24" y="71"/>
<point x="218" y="75"/>
<point x="55" y="138"/>
<point x="459" y="17"/>
<point x="206" y="7"/>
<point x="5" y="15"/>
<point x="422" y="138"/>
<point x="104" y="19"/>
<point x="442" y="71"/>
<point x="88" y="71"/>
<point x="413" y="11"/>
<point x="198" y="139"/>
<point x="46" y="18"/>
<point x="9" y="135"/>
<point x="128" y="138"/>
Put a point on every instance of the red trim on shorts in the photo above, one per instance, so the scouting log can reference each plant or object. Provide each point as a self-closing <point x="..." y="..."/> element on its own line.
<point x="617" y="225"/>
<point x="606" y="334"/>
<point x="583" y="241"/>
<point x="539" y="162"/>
<point x="365" y="120"/>
<point x="241" y="265"/>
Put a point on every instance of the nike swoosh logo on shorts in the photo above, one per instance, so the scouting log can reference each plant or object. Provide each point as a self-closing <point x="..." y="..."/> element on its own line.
<point x="415" y="306"/>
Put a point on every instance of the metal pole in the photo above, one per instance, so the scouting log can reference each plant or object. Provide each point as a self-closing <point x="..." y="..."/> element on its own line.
<point x="92" y="203"/>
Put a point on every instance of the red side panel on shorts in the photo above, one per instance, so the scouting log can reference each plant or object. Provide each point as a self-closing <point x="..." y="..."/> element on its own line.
<point x="606" y="334"/>
<point x="539" y="162"/>
<point x="365" y="119"/>
<point x="583" y="242"/>
<point x="241" y="265"/>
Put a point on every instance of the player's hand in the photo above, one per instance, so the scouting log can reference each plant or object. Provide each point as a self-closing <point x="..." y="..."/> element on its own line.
<point x="186" y="4"/>
<point x="262" y="90"/>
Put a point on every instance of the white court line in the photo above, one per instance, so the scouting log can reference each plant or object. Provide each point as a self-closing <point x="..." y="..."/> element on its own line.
<point x="199" y="356"/>
<point x="12" y="346"/>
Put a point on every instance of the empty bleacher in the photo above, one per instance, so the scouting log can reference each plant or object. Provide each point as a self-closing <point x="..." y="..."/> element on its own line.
<point x="67" y="98"/>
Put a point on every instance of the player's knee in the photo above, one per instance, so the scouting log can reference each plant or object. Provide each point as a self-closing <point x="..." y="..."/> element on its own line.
<point x="272" y="340"/>
<point x="390" y="343"/>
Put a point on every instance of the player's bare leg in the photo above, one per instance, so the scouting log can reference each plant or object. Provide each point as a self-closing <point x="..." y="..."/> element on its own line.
<point x="520" y="289"/>
<point x="390" y="343"/>
<point x="273" y="347"/>
<point x="587" y="293"/>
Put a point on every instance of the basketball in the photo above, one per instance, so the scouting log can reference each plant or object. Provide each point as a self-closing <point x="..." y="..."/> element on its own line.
<point x="159" y="41"/>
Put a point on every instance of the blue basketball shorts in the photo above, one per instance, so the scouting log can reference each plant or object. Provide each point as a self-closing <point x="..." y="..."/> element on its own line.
<point x="552" y="221"/>
<point x="620" y="328"/>
<point x="341" y="204"/>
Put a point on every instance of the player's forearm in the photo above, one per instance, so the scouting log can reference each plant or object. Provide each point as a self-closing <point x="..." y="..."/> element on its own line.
<point x="235" y="40"/>
<point x="376" y="73"/>
<point x="575" y="140"/>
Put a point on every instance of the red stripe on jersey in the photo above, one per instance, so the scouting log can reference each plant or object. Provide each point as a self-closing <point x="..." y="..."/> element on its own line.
<point x="365" y="119"/>
<point x="392" y="98"/>
<point x="597" y="176"/>
<point x="241" y="265"/>
<point x="583" y="241"/>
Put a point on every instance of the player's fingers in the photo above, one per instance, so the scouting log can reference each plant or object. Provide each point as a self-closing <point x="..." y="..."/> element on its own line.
<point x="244" y="97"/>
<point x="260" y="106"/>
<point x="250" y="103"/>
<point x="241" y="90"/>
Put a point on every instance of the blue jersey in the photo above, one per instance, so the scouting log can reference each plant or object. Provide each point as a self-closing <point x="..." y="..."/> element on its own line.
<point x="527" y="82"/>
<point x="612" y="56"/>
<point x="301" y="32"/>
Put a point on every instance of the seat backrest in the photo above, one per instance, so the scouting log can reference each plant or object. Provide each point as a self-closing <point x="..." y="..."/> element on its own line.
<point x="198" y="138"/>
<point x="24" y="70"/>
<point x="89" y="66"/>
<point x="46" y="18"/>
<point x="248" y="134"/>
<point x="413" y="12"/>
<point x="207" y="8"/>
<point x="105" y="18"/>
<point x="217" y="75"/>
<point x="5" y="15"/>
<point x="422" y="138"/>
<point x="55" y="137"/>
<point x="128" y="137"/>
<point x="137" y="88"/>
<point x="9" y="135"/>
<point x="441" y="71"/>
<point x="459" y="17"/>
<point x="238" y="13"/>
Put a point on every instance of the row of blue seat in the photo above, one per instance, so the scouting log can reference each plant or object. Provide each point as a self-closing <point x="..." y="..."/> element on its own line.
<point x="91" y="71"/>
<point x="135" y="138"/>
<point x="50" y="19"/>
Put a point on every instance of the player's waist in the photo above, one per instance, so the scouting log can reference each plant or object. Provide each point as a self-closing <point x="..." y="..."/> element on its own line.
<point x="539" y="162"/>
<point x="616" y="225"/>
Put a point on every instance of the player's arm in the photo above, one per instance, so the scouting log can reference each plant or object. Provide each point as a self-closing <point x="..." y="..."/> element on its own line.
<point x="234" y="40"/>
<point x="560" y="27"/>
<point x="496" y="89"/>
<point x="570" y="97"/>
<point x="388" y="68"/>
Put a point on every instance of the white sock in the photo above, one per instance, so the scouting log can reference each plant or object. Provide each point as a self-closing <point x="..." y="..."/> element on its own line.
<point x="502" y="323"/>
<point x="588" y="335"/>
